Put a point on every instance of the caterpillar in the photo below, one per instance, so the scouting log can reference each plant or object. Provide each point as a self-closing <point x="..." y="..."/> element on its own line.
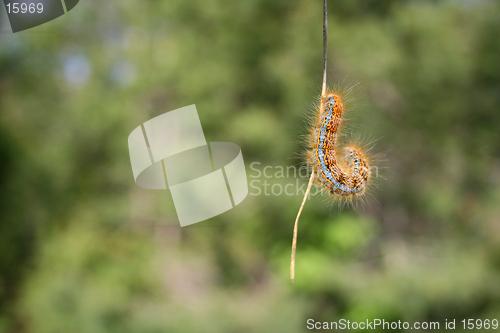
<point x="344" y="178"/>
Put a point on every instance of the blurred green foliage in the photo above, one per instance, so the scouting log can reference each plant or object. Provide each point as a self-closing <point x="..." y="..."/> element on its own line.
<point x="83" y="249"/>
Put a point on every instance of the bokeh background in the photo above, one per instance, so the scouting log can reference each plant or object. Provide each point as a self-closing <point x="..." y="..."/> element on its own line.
<point x="83" y="249"/>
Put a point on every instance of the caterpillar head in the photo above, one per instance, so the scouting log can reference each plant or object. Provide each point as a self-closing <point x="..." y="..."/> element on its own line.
<point x="332" y="102"/>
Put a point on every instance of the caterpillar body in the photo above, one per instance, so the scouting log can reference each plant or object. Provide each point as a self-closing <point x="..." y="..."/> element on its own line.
<point x="345" y="177"/>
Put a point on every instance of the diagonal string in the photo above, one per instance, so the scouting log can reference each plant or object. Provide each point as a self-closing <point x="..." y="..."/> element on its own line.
<point x="309" y="185"/>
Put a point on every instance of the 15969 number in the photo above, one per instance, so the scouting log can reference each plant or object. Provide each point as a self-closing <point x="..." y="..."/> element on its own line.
<point x="478" y="324"/>
<point x="24" y="8"/>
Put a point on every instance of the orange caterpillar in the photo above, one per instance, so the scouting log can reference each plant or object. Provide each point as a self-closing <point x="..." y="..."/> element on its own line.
<point x="345" y="177"/>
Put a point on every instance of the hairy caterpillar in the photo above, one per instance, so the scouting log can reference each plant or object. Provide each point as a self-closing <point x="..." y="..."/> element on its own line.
<point x="344" y="178"/>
